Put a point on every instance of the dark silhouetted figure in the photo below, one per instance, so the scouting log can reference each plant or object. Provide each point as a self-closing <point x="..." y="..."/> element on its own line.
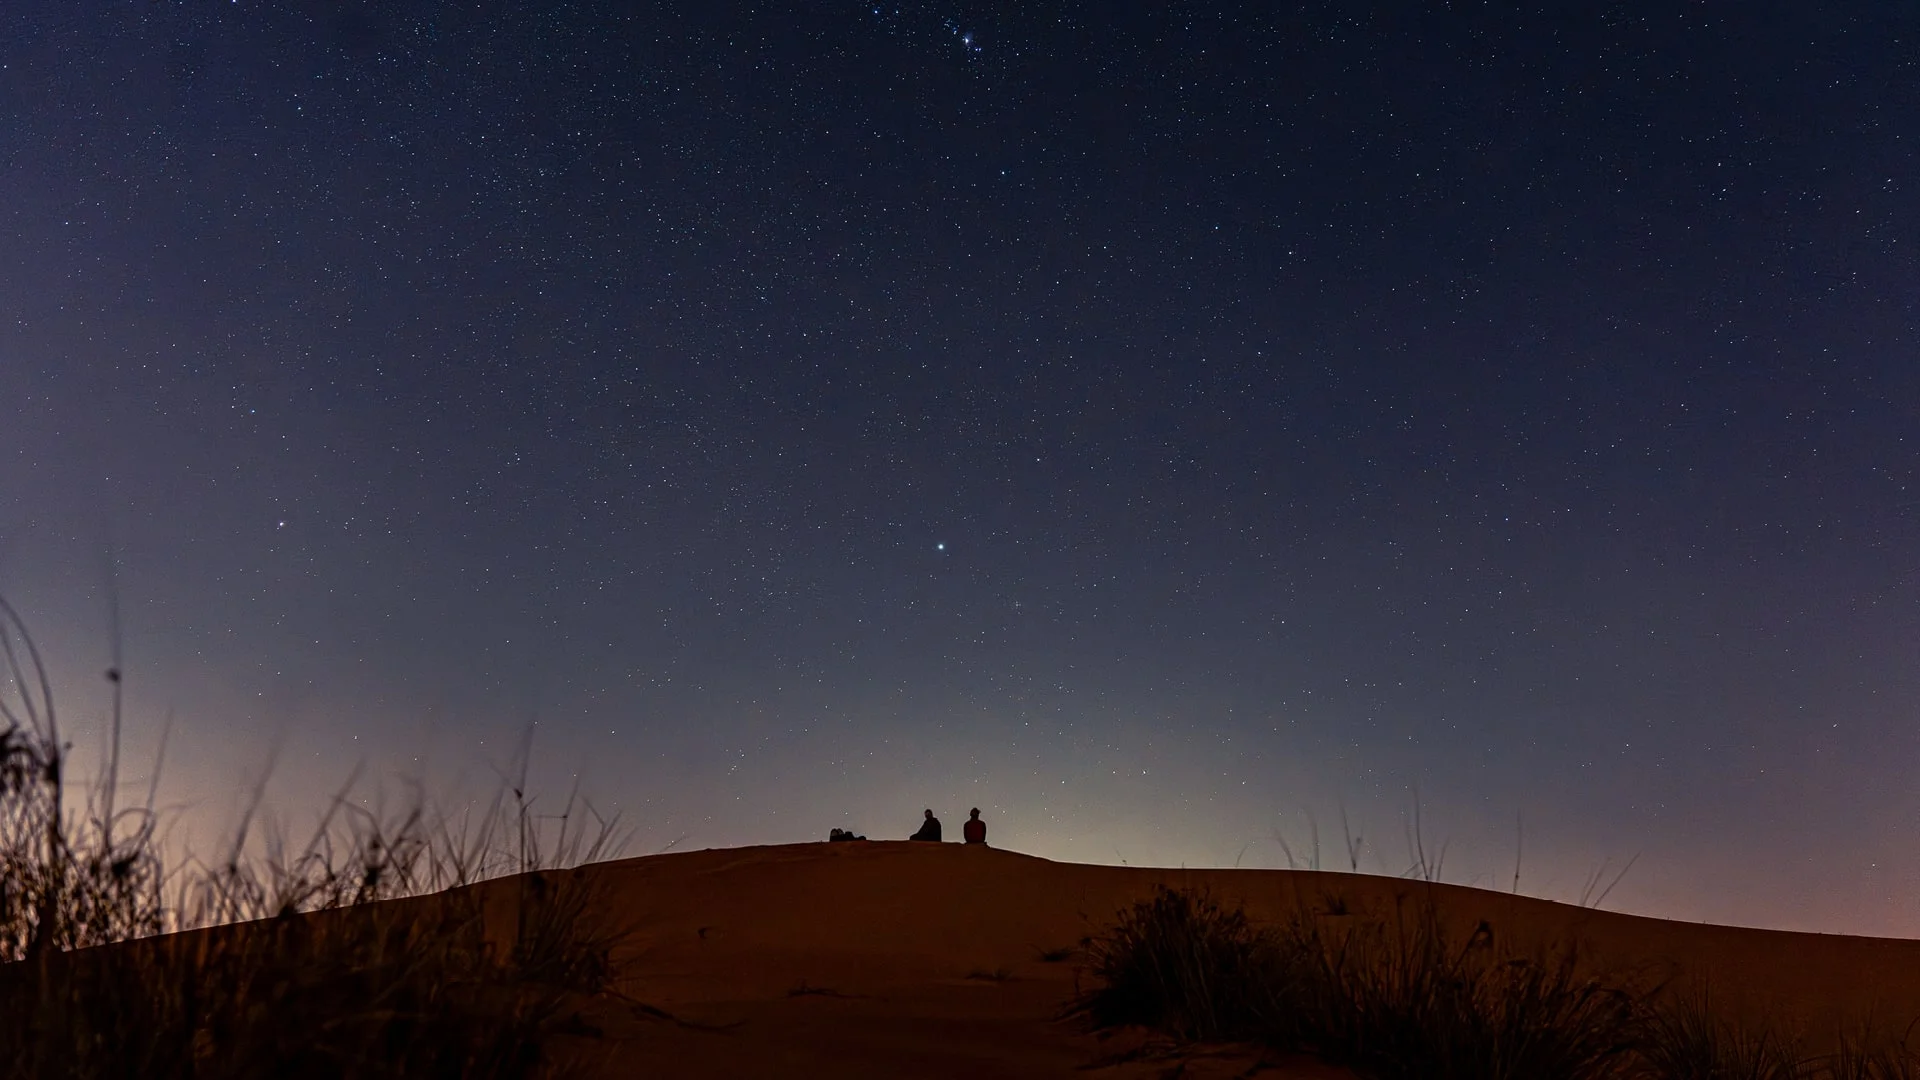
<point x="975" y="830"/>
<point x="929" y="829"/>
<point x="839" y="835"/>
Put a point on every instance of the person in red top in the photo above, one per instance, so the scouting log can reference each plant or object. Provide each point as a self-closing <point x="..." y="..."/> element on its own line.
<point x="975" y="830"/>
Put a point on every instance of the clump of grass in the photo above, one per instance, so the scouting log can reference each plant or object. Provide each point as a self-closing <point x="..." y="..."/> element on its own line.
<point x="1401" y="998"/>
<point x="1861" y="1057"/>
<point x="1683" y="1038"/>
<point x="1407" y="1000"/>
<point x="385" y="946"/>
<point x="1182" y="964"/>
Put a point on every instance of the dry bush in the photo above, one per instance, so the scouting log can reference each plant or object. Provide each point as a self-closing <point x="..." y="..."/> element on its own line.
<point x="1406" y="1000"/>
<point x="403" y="945"/>
<point x="1182" y="964"/>
<point x="1402" y="999"/>
<point x="1686" y="1039"/>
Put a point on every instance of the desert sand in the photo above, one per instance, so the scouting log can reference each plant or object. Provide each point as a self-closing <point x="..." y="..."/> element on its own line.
<point x="897" y="959"/>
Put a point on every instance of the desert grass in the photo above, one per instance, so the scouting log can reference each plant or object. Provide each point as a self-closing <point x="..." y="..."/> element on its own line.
<point x="1399" y="998"/>
<point x="1183" y="965"/>
<point x="405" y="944"/>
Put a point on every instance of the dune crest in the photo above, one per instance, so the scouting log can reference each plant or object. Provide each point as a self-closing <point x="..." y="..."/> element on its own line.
<point x="891" y="959"/>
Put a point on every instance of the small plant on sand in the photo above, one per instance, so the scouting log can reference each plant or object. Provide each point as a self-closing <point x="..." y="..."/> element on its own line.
<point x="1682" y="1038"/>
<point x="1182" y="964"/>
<point x="381" y="948"/>
<point x="1408" y="1000"/>
<point x="1860" y="1056"/>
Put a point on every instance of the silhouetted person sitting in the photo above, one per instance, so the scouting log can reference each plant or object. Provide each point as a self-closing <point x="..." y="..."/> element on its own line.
<point x="975" y="830"/>
<point x="838" y="835"/>
<point x="929" y="829"/>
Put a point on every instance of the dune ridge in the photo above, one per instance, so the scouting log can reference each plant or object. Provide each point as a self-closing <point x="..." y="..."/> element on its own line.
<point x="903" y="959"/>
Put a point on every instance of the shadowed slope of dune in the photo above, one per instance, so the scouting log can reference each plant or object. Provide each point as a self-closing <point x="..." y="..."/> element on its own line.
<point x="901" y="959"/>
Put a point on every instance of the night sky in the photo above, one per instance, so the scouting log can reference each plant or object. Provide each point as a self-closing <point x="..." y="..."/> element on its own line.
<point x="1151" y="425"/>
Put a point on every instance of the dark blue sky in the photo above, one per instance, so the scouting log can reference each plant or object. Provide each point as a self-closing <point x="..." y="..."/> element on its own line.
<point x="1146" y="423"/>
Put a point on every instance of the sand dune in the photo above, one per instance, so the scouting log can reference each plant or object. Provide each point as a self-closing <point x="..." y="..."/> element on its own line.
<point x="894" y="959"/>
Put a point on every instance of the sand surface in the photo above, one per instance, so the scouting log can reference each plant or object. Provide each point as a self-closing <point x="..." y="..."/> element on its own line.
<point x="895" y="959"/>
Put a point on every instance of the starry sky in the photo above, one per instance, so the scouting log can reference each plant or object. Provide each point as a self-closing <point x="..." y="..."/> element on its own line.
<point x="1165" y="426"/>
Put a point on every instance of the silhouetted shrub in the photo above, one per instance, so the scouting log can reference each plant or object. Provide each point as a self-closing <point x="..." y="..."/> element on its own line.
<point x="1182" y="964"/>
<point x="391" y="947"/>
<point x="1401" y="999"/>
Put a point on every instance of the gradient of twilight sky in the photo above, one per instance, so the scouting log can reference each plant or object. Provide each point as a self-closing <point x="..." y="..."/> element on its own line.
<point x="1147" y="424"/>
